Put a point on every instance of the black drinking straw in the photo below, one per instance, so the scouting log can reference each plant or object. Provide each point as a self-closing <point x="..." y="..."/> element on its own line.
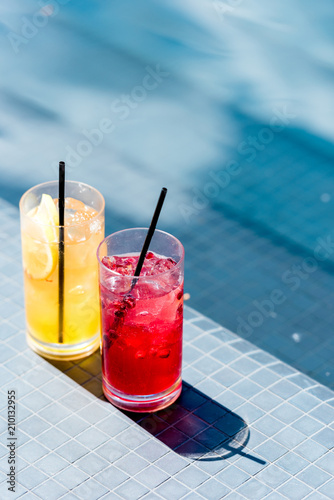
<point x="61" y="206"/>
<point x="149" y="235"/>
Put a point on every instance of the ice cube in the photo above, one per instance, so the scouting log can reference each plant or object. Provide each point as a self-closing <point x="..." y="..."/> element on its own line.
<point x="95" y="226"/>
<point x="69" y="214"/>
<point x="76" y="233"/>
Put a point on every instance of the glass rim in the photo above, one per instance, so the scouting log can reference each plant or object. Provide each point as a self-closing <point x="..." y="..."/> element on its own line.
<point x="48" y="183"/>
<point x="118" y="275"/>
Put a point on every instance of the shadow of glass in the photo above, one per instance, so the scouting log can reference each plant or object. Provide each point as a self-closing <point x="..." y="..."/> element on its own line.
<point x="86" y="372"/>
<point x="195" y="426"/>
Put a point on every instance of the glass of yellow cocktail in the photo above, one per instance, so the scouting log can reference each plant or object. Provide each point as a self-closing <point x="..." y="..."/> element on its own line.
<point x="66" y="328"/>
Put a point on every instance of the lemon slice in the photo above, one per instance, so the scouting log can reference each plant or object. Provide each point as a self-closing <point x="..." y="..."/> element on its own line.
<point x="47" y="214"/>
<point x="39" y="244"/>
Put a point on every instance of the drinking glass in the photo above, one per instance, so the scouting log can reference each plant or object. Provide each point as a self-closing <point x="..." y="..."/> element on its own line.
<point x="142" y="320"/>
<point x="66" y="327"/>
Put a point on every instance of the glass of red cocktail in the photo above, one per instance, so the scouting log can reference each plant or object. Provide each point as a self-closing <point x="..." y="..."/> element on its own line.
<point x="141" y="320"/>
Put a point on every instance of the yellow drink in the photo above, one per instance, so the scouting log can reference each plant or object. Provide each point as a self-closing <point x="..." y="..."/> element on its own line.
<point x="84" y="229"/>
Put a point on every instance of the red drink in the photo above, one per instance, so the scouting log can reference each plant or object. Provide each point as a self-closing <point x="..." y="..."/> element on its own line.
<point x="141" y="330"/>
<point x="141" y="320"/>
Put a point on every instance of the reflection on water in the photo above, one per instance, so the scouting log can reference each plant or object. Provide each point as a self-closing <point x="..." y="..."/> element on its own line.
<point x="228" y="103"/>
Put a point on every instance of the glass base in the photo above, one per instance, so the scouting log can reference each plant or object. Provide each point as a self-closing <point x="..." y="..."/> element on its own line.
<point x="142" y="404"/>
<point x="64" y="352"/>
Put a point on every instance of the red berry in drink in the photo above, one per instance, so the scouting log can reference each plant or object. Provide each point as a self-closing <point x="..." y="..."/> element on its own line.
<point x="164" y="353"/>
<point x="130" y="301"/>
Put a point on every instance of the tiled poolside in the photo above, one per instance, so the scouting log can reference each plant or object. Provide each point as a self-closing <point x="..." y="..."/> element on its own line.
<point x="247" y="426"/>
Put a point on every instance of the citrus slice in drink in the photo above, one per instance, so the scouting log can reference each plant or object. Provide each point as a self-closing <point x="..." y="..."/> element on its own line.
<point x="40" y="250"/>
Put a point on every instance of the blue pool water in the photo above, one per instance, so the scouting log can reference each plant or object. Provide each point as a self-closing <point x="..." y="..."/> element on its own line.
<point x="230" y="105"/>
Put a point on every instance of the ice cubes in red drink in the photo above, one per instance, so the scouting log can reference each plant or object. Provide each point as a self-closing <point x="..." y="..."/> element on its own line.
<point x="126" y="265"/>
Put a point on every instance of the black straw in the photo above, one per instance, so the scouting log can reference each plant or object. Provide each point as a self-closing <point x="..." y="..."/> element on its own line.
<point x="149" y="234"/>
<point x="61" y="247"/>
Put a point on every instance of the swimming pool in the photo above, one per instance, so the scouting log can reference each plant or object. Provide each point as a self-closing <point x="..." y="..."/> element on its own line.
<point x="229" y="104"/>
